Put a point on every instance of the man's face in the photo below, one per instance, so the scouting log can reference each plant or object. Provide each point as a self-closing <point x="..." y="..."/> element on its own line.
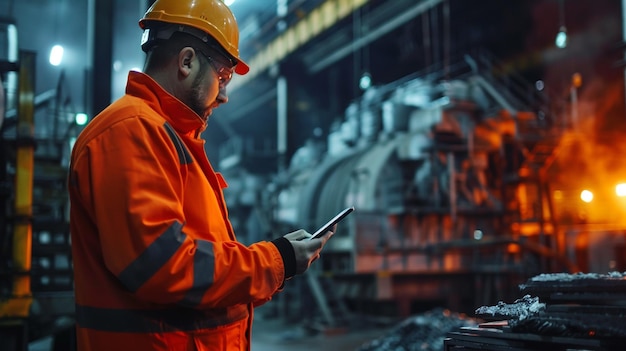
<point x="208" y="89"/>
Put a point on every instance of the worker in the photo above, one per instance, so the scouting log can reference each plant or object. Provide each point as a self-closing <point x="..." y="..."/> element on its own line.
<point x="157" y="265"/>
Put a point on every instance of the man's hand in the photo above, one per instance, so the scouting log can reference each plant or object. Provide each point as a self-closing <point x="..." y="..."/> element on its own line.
<point x="307" y="251"/>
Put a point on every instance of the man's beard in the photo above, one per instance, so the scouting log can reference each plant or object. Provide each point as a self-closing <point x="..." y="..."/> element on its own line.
<point x="195" y="98"/>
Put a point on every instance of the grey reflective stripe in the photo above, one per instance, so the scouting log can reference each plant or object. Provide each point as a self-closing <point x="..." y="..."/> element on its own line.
<point x="153" y="258"/>
<point x="156" y="321"/>
<point x="203" y="268"/>
<point x="183" y="154"/>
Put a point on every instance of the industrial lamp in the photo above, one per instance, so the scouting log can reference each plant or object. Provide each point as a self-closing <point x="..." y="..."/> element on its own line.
<point x="56" y="55"/>
<point x="561" y="38"/>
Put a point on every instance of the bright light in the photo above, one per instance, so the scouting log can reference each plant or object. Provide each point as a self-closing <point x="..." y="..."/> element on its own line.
<point x="478" y="234"/>
<point x="81" y="119"/>
<point x="56" y="55"/>
<point x="561" y="38"/>
<point x="229" y="2"/>
<point x="586" y="196"/>
<point x="620" y="189"/>
<point x="366" y="81"/>
<point x="539" y="85"/>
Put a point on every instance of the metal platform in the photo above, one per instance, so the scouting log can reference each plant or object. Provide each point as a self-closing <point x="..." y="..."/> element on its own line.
<point x="500" y="339"/>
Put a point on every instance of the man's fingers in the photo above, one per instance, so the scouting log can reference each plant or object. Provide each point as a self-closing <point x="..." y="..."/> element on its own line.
<point x="298" y="235"/>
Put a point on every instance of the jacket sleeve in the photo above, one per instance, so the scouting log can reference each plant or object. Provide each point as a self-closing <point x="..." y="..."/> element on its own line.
<point x="135" y="184"/>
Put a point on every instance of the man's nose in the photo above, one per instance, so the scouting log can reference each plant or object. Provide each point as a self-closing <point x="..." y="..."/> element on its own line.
<point x="222" y="97"/>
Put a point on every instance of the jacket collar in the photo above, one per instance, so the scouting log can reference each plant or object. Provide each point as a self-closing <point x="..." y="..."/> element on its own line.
<point x="181" y="117"/>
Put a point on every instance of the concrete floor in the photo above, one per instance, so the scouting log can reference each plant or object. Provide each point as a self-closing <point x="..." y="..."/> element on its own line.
<point x="277" y="335"/>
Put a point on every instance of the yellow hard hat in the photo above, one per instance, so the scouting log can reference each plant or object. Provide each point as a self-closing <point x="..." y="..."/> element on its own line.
<point x="211" y="17"/>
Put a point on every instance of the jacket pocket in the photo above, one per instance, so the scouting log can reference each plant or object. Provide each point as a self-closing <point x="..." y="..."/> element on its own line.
<point x="228" y="337"/>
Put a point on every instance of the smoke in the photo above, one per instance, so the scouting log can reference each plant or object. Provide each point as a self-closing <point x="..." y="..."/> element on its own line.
<point x="593" y="146"/>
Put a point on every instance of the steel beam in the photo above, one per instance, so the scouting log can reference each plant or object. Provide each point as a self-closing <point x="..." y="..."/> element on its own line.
<point x="317" y="21"/>
<point x="376" y="33"/>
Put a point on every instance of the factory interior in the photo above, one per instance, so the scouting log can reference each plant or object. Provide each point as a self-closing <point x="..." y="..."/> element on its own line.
<point x="479" y="142"/>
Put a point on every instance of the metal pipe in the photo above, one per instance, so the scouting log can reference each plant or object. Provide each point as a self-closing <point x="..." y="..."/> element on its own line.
<point x="452" y="186"/>
<point x="281" y="99"/>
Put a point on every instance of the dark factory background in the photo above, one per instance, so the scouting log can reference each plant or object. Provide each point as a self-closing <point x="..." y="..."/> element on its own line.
<point x="480" y="141"/>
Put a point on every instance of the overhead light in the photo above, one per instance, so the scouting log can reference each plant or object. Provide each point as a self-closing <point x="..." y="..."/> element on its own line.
<point x="56" y="55"/>
<point x="586" y="196"/>
<point x="561" y="38"/>
<point x="539" y="85"/>
<point x="620" y="189"/>
<point x="366" y="81"/>
<point x="478" y="234"/>
<point x="81" y="119"/>
<point x="229" y="2"/>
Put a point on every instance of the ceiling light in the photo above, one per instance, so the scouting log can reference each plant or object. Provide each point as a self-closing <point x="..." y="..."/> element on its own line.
<point x="561" y="38"/>
<point x="56" y="55"/>
<point x="81" y="119"/>
<point x="366" y="81"/>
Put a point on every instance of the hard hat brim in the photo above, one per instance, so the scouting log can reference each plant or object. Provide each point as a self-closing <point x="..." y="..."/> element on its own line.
<point x="241" y="68"/>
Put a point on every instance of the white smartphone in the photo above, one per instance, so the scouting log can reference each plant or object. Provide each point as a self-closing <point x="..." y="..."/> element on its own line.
<point x="326" y="227"/>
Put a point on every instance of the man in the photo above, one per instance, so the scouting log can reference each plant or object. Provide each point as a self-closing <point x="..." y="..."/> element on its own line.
<point x="156" y="263"/>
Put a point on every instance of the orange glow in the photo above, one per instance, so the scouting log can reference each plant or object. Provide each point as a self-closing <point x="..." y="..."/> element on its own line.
<point x="513" y="248"/>
<point x="530" y="229"/>
<point x="586" y="196"/>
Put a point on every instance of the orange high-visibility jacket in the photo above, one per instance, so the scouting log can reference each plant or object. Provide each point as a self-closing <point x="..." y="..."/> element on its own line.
<point x="156" y="263"/>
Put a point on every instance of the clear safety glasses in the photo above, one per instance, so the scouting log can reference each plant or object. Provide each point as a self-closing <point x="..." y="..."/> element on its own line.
<point x="224" y="72"/>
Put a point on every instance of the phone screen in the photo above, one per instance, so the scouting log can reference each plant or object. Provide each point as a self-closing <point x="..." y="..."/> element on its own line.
<point x="326" y="227"/>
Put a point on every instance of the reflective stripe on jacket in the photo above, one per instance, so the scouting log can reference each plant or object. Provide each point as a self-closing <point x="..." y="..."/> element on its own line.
<point x="156" y="263"/>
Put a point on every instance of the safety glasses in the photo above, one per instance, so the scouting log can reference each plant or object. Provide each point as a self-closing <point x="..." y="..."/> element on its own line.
<point x="224" y="72"/>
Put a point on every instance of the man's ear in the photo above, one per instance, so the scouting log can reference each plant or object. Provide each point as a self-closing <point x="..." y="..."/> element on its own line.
<point x="185" y="59"/>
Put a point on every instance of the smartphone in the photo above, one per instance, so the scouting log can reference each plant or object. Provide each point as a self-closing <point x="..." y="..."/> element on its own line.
<point x="326" y="227"/>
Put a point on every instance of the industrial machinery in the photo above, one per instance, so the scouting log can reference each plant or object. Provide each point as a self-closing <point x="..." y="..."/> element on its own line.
<point x="36" y="289"/>
<point x="16" y="295"/>
<point x="447" y="171"/>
